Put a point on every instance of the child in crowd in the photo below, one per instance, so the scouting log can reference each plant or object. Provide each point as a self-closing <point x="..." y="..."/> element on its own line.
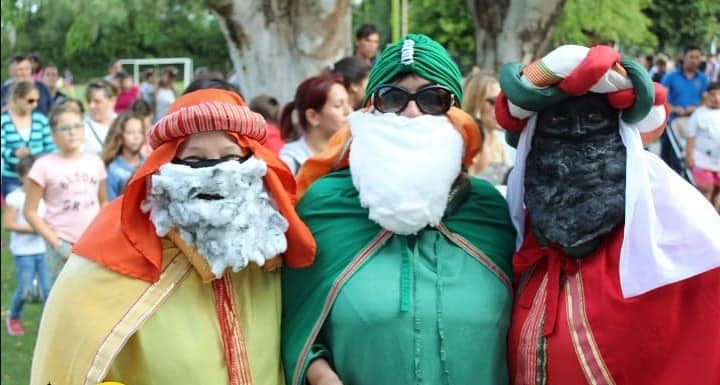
<point x="122" y="152"/>
<point x="27" y="248"/>
<point x="703" y="145"/>
<point x="71" y="183"/>
<point x="145" y="110"/>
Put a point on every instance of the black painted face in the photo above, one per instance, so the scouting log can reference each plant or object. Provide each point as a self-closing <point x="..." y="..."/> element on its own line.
<point x="575" y="174"/>
<point x="576" y="118"/>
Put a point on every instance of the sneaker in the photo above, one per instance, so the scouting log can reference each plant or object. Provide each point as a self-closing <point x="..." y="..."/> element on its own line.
<point x="14" y="327"/>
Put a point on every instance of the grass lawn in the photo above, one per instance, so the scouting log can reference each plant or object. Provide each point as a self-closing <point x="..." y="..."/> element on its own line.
<point x="16" y="350"/>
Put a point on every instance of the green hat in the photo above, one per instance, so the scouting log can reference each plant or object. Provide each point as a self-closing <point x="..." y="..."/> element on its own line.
<point x="416" y="54"/>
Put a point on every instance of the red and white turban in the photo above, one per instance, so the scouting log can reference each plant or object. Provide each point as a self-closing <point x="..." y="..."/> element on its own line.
<point x="670" y="229"/>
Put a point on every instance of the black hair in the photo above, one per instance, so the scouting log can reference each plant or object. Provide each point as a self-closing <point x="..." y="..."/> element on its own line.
<point x="691" y="47"/>
<point x="214" y="81"/>
<point x="18" y="57"/>
<point x="267" y="106"/>
<point x="365" y="30"/>
<point x="713" y="86"/>
<point x="352" y="68"/>
<point x="121" y="75"/>
<point x="141" y="107"/>
<point x="148" y="73"/>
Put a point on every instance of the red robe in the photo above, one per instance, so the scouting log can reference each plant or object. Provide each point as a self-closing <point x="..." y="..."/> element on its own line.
<point x="572" y="326"/>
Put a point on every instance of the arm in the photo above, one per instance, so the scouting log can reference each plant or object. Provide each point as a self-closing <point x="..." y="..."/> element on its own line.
<point x="320" y="373"/>
<point x="689" y="147"/>
<point x="11" y="214"/>
<point x="32" y="200"/>
<point x="102" y="194"/>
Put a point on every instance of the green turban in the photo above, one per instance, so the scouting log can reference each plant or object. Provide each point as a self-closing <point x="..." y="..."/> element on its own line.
<point x="420" y="55"/>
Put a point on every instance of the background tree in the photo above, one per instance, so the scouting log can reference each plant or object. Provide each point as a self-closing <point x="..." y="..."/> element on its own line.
<point x="613" y="22"/>
<point x="85" y="35"/>
<point x="275" y="44"/>
<point x="676" y="24"/>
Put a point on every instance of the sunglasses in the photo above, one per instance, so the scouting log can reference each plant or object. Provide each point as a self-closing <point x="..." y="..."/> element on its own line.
<point x="194" y="162"/>
<point x="431" y="100"/>
<point x="31" y="101"/>
<point x="68" y="127"/>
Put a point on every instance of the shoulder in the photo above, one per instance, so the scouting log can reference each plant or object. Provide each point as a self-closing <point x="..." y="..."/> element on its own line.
<point x="39" y="118"/>
<point x="295" y="149"/>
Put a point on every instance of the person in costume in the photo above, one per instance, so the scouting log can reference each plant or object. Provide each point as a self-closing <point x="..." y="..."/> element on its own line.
<point x="618" y="256"/>
<point x="411" y="284"/>
<point x="177" y="280"/>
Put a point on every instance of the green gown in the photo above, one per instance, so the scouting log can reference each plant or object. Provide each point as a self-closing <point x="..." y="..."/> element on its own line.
<point x="431" y="308"/>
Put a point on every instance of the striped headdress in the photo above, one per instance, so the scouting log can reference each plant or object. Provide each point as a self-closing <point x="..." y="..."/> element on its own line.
<point x="185" y="118"/>
<point x="573" y="70"/>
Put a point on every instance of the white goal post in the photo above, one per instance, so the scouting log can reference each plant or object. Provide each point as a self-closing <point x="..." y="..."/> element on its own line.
<point x="187" y="64"/>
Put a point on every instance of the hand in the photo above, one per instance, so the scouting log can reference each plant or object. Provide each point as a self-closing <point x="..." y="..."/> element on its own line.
<point x="690" y="161"/>
<point x="690" y="109"/>
<point x="22" y="152"/>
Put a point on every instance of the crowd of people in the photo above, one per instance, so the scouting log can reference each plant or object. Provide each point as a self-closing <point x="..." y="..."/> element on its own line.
<point x="459" y="187"/>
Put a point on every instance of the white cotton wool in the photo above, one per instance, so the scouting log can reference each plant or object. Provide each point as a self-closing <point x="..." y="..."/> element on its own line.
<point x="242" y="227"/>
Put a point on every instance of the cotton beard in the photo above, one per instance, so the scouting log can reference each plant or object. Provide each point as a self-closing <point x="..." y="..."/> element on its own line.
<point x="403" y="168"/>
<point x="241" y="227"/>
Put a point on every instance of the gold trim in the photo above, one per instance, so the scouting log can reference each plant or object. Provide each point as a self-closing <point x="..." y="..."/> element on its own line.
<point x="176" y="271"/>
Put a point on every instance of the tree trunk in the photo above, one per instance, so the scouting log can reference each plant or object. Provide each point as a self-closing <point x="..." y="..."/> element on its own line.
<point x="512" y="30"/>
<point x="275" y="44"/>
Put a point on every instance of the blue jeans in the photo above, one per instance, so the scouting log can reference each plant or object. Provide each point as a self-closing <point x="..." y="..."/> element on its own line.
<point x="26" y="268"/>
<point x="9" y="184"/>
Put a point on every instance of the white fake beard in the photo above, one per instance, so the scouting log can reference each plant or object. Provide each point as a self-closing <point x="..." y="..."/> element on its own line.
<point x="403" y="168"/>
<point x="242" y="227"/>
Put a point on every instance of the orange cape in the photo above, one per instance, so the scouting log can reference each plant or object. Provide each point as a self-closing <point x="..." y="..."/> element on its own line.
<point x="122" y="238"/>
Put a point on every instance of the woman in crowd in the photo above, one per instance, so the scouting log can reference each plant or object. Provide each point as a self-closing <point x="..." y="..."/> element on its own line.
<point x="24" y="132"/>
<point x="165" y="93"/>
<point x="123" y="152"/>
<point x="322" y="107"/>
<point x="101" y="96"/>
<point x="495" y="158"/>
<point x="355" y="77"/>
<point x="70" y="182"/>
<point x="129" y="91"/>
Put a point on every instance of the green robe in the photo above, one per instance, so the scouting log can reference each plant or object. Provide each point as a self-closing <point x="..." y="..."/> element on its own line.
<point x="431" y="308"/>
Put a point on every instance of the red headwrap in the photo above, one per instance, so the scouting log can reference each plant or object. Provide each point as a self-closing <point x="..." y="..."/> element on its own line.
<point x="122" y="237"/>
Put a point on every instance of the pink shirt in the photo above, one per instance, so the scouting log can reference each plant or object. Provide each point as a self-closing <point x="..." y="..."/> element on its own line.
<point x="125" y="99"/>
<point x="71" y="192"/>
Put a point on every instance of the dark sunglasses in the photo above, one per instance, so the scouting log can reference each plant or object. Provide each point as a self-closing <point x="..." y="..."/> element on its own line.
<point x="31" y="101"/>
<point x="200" y="163"/>
<point x="68" y="127"/>
<point x="431" y="100"/>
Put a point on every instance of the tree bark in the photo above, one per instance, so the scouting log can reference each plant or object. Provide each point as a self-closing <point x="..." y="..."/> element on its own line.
<point x="512" y="30"/>
<point x="275" y="44"/>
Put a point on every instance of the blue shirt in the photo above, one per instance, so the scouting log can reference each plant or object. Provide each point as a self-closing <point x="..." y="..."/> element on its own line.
<point x="683" y="91"/>
<point x="119" y="173"/>
<point x="39" y="142"/>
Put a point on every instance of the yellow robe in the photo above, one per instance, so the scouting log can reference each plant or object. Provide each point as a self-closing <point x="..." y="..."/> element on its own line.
<point x="99" y="325"/>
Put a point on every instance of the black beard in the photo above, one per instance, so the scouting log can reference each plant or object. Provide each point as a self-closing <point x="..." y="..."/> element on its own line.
<point x="575" y="189"/>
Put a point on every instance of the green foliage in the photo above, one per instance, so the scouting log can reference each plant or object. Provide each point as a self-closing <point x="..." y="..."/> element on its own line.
<point x="679" y="23"/>
<point x="85" y="35"/>
<point x="590" y="22"/>
<point x="448" y="22"/>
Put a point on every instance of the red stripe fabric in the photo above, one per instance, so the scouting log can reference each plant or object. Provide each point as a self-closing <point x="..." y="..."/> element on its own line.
<point x="503" y="116"/>
<point x="211" y="116"/>
<point x="589" y="71"/>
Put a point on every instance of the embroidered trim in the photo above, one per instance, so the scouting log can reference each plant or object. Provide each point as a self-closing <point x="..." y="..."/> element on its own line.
<point x="586" y="349"/>
<point x="479" y="255"/>
<point x="236" y="357"/>
<point x="135" y="316"/>
<point x="531" y="367"/>
<point x="407" y="52"/>
<point x="378" y="241"/>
